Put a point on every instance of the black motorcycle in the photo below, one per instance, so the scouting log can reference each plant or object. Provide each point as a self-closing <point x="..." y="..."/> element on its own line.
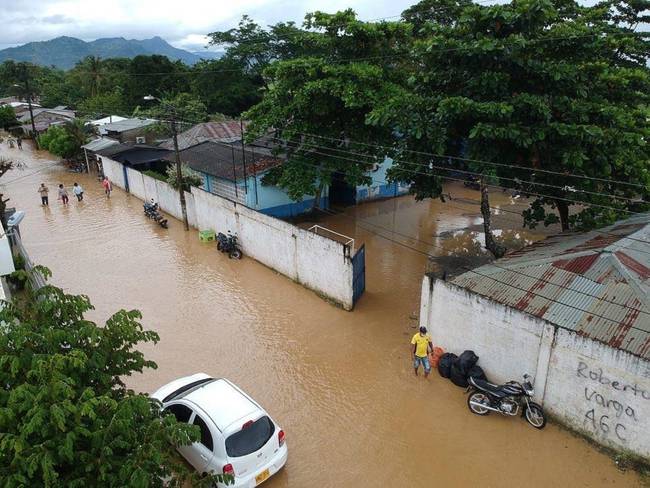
<point x="509" y="399"/>
<point x="228" y="244"/>
<point x="151" y="211"/>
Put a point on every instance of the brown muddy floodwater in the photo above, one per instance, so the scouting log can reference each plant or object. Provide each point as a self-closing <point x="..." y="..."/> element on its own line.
<point x="340" y="383"/>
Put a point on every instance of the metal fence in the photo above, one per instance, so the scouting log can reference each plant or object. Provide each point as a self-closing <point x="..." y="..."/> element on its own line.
<point x="335" y="236"/>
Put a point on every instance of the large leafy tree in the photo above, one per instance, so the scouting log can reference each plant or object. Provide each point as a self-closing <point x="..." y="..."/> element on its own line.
<point x="328" y="94"/>
<point x="67" y="418"/>
<point x="66" y="140"/>
<point x="225" y="86"/>
<point x="547" y="85"/>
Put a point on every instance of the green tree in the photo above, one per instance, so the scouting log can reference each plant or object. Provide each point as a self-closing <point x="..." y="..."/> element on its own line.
<point x="154" y="75"/>
<point x="7" y="117"/>
<point x="547" y="85"/>
<point x="67" y="419"/>
<point x="66" y="140"/>
<point x="225" y="86"/>
<point x="107" y="103"/>
<point x="189" y="177"/>
<point x="328" y="94"/>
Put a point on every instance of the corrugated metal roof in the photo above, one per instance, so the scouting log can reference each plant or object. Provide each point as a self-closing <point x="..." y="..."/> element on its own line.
<point x="125" y="125"/>
<point x="99" y="144"/>
<point x="596" y="283"/>
<point x="226" y="131"/>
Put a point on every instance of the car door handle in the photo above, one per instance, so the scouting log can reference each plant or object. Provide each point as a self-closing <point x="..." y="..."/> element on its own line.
<point x="204" y="457"/>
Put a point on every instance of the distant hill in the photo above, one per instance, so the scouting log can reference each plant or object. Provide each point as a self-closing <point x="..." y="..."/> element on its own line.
<point x="209" y="55"/>
<point x="65" y="52"/>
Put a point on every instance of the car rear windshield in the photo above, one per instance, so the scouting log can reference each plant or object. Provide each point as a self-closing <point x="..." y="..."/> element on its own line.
<point x="250" y="439"/>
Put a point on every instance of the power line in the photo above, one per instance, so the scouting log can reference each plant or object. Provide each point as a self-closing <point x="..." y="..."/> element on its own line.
<point x="474" y="173"/>
<point x="491" y="163"/>
<point x="368" y="58"/>
<point x="600" y="299"/>
<point x="501" y="209"/>
<point x="542" y="195"/>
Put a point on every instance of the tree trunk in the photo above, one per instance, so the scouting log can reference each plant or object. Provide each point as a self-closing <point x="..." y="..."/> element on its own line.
<point x="491" y="245"/>
<point x="563" y="210"/>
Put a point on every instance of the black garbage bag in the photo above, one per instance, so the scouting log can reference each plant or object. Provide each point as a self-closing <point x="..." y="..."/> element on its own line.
<point x="445" y="362"/>
<point x="466" y="361"/>
<point x="477" y="372"/>
<point x="457" y="376"/>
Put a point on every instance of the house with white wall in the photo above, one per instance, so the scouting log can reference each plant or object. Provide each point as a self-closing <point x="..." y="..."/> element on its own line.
<point x="573" y="311"/>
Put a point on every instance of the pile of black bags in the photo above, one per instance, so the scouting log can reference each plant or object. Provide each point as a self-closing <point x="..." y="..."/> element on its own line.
<point x="459" y="368"/>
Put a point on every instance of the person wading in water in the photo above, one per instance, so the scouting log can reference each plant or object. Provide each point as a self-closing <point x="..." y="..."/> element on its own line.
<point x="421" y="345"/>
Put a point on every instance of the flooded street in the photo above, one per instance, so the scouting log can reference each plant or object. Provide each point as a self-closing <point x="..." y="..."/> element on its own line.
<point x="340" y="383"/>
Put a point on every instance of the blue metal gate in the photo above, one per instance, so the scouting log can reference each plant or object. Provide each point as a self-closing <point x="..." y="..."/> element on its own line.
<point x="359" y="273"/>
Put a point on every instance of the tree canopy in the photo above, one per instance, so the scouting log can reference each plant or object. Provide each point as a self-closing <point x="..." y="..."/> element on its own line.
<point x="546" y="85"/>
<point x="324" y="94"/>
<point x="66" y="416"/>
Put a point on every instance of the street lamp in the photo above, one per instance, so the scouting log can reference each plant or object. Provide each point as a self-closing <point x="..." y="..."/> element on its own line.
<point x="171" y="110"/>
<point x="29" y="104"/>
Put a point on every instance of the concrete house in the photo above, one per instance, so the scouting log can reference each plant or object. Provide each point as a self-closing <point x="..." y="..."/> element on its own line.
<point x="138" y="156"/>
<point x="573" y="311"/>
<point x="129" y="130"/>
<point x="44" y="118"/>
<point x="226" y="173"/>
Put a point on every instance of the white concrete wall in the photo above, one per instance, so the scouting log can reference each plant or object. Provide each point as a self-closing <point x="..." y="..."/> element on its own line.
<point x="591" y="387"/>
<point x="317" y="262"/>
<point x="506" y="342"/>
<point x="601" y="391"/>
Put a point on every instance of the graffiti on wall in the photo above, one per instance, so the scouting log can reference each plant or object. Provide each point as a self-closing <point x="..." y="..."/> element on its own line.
<point x="609" y="413"/>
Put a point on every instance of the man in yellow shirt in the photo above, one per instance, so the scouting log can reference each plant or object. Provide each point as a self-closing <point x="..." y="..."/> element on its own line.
<point x="421" y="346"/>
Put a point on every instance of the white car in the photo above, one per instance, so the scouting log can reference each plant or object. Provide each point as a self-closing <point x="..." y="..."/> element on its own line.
<point x="238" y="437"/>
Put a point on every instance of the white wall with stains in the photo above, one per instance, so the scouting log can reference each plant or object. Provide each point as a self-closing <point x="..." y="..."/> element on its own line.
<point x="591" y="387"/>
<point x="315" y="261"/>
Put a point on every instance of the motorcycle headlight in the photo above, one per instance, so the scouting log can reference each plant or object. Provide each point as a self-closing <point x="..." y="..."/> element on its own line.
<point x="530" y="391"/>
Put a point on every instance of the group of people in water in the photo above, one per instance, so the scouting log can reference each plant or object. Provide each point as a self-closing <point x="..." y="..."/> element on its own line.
<point x="77" y="191"/>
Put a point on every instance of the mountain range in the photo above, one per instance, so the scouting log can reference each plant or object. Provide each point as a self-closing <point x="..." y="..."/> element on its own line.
<point x="64" y="52"/>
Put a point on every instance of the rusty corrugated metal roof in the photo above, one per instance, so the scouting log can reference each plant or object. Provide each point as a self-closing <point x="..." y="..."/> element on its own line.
<point x="596" y="283"/>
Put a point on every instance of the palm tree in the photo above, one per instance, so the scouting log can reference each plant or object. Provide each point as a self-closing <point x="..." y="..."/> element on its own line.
<point x="93" y="69"/>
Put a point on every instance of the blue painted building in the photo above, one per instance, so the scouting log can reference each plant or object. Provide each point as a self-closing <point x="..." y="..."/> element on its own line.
<point x="229" y="172"/>
<point x="343" y="194"/>
<point x="380" y="187"/>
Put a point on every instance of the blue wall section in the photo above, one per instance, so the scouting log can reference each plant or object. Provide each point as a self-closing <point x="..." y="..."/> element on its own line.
<point x="294" y="209"/>
<point x="269" y="200"/>
<point x="380" y="188"/>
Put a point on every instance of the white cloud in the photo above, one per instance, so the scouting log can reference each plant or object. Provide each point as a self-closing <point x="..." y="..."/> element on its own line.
<point x="183" y="23"/>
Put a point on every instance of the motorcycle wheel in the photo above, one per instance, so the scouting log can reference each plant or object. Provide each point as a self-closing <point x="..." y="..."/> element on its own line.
<point x="535" y="415"/>
<point x="235" y="254"/>
<point x="218" y="245"/>
<point x="478" y="397"/>
<point x="163" y="224"/>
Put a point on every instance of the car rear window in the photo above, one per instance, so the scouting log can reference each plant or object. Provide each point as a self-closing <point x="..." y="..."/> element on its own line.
<point x="250" y="439"/>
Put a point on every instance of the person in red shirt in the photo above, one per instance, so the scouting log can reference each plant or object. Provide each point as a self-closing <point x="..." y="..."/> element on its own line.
<point x="108" y="188"/>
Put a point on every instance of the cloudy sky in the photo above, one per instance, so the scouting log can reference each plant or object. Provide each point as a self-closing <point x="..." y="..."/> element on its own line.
<point x="183" y="23"/>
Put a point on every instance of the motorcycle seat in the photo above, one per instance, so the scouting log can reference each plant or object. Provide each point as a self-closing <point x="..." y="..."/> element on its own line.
<point x="496" y="390"/>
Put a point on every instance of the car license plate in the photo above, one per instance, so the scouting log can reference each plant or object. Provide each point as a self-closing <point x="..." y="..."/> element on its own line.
<point x="263" y="476"/>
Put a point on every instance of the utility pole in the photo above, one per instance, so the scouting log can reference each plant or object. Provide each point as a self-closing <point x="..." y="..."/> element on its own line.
<point x="179" y="173"/>
<point x="29" y="102"/>
<point x="243" y="154"/>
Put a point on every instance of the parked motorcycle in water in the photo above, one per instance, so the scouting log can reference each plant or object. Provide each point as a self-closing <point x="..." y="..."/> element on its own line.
<point x="228" y="244"/>
<point x="509" y="399"/>
<point x="151" y="211"/>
